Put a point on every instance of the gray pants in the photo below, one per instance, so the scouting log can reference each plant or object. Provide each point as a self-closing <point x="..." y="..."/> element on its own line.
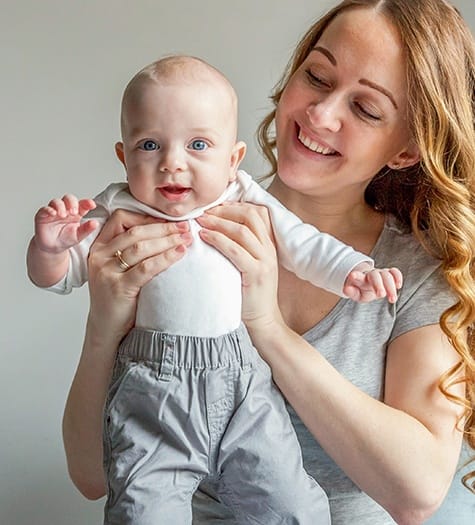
<point x="185" y="409"/>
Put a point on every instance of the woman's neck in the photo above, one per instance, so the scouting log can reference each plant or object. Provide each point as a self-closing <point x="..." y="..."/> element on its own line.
<point x="351" y="220"/>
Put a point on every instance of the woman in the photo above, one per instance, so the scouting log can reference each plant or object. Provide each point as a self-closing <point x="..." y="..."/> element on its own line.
<point x="376" y="146"/>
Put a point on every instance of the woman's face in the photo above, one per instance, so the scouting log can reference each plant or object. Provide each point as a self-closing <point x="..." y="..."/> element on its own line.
<point x="342" y="116"/>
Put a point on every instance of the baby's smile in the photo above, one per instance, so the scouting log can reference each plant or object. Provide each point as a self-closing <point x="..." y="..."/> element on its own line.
<point x="174" y="192"/>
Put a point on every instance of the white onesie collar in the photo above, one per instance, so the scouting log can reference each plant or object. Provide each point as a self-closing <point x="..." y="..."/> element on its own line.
<point x="193" y="214"/>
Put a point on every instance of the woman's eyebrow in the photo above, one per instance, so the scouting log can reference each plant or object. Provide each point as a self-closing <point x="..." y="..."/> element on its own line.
<point x="363" y="81"/>
<point x="327" y="53"/>
<point x="379" y="88"/>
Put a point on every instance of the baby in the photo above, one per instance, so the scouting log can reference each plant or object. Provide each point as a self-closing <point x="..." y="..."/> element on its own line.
<point x="190" y="398"/>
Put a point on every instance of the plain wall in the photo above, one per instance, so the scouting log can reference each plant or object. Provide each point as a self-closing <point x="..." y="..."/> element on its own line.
<point x="64" y="66"/>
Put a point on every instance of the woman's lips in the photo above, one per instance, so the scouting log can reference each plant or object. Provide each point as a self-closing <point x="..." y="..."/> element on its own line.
<point x="312" y="145"/>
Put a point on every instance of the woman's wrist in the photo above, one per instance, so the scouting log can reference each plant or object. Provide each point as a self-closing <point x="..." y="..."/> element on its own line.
<point x="101" y="337"/>
<point x="266" y="332"/>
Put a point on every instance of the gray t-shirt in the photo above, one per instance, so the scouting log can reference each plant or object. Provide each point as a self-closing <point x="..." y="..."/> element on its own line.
<point x="354" y="337"/>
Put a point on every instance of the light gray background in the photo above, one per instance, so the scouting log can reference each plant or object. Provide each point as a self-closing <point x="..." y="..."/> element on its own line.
<point x="64" y="65"/>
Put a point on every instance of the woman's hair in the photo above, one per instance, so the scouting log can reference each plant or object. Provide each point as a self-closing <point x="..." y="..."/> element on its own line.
<point x="435" y="197"/>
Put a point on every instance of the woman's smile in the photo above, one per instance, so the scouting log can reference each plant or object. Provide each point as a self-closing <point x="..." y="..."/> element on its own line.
<point x="313" y="145"/>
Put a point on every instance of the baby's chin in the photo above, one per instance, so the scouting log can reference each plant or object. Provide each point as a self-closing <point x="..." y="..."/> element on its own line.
<point x="177" y="210"/>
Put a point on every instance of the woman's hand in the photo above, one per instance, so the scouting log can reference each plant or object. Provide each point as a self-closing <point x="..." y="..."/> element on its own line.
<point x="148" y="246"/>
<point x="242" y="232"/>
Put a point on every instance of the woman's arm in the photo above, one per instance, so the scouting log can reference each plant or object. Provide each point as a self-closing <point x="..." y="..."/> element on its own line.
<point x="402" y="452"/>
<point x="149" y="247"/>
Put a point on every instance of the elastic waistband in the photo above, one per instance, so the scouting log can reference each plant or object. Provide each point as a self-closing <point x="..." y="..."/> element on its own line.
<point x="189" y="351"/>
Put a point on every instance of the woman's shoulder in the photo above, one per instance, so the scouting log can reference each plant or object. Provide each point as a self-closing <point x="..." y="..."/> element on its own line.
<point x="398" y="246"/>
<point x="424" y="281"/>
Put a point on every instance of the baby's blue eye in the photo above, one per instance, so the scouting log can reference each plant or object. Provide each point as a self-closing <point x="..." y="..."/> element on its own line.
<point x="198" y="145"/>
<point x="150" y="145"/>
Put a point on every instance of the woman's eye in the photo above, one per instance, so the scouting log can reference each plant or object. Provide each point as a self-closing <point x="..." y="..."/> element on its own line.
<point x="366" y="113"/>
<point x="149" y="145"/>
<point x="198" y="145"/>
<point x="314" y="79"/>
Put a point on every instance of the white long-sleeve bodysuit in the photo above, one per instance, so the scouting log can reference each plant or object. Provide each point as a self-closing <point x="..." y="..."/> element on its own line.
<point x="200" y="295"/>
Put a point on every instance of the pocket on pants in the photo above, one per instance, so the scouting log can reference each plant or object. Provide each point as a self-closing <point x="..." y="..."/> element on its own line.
<point x="134" y="402"/>
<point x="123" y="369"/>
<point x="125" y="396"/>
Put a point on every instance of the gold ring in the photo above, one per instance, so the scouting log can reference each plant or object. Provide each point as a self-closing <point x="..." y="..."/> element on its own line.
<point x="124" y="265"/>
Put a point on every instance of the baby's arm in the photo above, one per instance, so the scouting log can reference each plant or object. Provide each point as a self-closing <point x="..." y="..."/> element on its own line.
<point x="58" y="227"/>
<point x="320" y="258"/>
<point x="312" y="255"/>
<point x="365" y="284"/>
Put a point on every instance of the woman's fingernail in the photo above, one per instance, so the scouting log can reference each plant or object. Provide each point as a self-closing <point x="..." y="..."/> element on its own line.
<point x="182" y="226"/>
<point x="186" y="236"/>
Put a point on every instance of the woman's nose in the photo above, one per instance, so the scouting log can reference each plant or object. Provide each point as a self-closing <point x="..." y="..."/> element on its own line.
<point x="172" y="160"/>
<point x="326" y="113"/>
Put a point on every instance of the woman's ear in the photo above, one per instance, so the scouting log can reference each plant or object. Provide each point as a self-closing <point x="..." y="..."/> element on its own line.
<point x="406" y="158"/>
<point x="237" y="154"/>
<point x="119" y="151"/>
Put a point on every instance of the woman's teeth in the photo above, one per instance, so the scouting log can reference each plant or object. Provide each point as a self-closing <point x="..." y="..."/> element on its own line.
<point x="314" y="146"/>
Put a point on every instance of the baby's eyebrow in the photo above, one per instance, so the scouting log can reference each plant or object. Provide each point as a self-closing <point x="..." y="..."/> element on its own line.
<point x="140" y="132"/>
<point x="203" y="130"/>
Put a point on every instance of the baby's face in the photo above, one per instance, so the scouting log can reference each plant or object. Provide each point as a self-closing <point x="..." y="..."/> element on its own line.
<point x="179" y="146"/>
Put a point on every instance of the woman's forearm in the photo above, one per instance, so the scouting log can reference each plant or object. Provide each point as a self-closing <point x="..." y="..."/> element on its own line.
<point x="389" y="454"/>
<point x="82" y="421"/>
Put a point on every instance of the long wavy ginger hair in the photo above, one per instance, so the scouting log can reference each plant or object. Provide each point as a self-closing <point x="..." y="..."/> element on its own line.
<point x="435" y="197"/>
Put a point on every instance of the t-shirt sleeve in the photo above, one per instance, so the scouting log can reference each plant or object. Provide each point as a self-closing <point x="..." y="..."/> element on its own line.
<point x="424" y="304"/>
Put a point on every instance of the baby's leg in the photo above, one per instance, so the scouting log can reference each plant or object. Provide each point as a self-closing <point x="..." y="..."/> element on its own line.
<point x="155" y="442"/>
<point x="263" y="479"/>
<point x="208" y="509"/>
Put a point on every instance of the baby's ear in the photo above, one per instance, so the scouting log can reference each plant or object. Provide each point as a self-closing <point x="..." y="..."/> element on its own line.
<point x="119" y="151"/>
<point x="237" y="154"/>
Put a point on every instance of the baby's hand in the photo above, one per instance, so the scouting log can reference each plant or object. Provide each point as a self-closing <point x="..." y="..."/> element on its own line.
<point x="58" y="226"/>
<point x="364" y="285"/>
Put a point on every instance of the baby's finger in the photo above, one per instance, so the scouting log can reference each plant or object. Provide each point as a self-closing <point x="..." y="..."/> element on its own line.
<point x="85" y="229"/>
<point x="352" y="292"/>
<point x="374" y="278"/>
<point x="46" y="212"/>
<point x="397" y="276"/>
<point x="356" y="279"/>
<point x="390" y="285"/>
<point x="85" y="206"/>
<point x="71" y="203"/>
<point x="59" y="207"/>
